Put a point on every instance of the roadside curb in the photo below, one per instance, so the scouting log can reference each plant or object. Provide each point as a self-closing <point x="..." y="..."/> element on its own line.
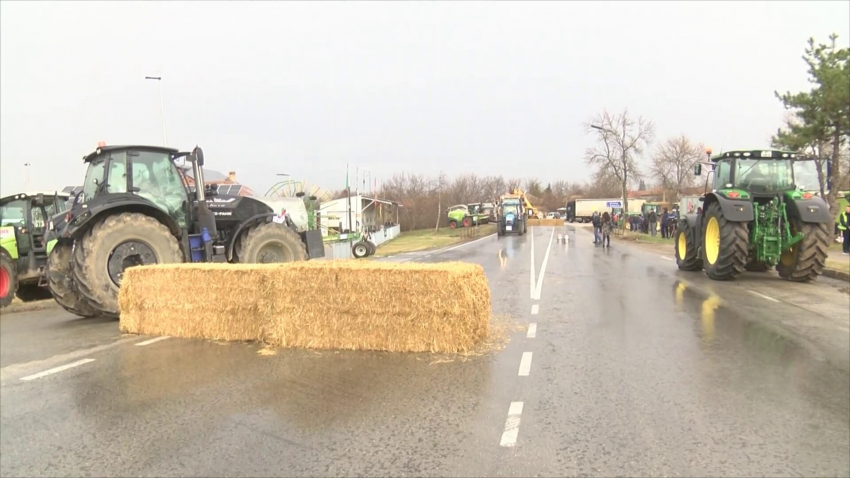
<point x="836" y="274"/>
<point x="30" y="307"/>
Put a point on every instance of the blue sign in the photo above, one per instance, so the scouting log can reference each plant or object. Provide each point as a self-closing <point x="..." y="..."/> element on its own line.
<point x="614" y="204"/>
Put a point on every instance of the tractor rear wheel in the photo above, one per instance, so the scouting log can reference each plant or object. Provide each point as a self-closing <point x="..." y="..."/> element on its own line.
<point x="59" y="282"/>
<point x="270" y="243"/>
<point x="32" y="292"/>
<point x="452" y="224"/>
<point x="467" y="222"/>
<point x="687" y="253"/>
<point x="8" y="280"/>
<point x="804" y="261"/>
<point x="724" y="245"/>
<point x="110" y="247"/>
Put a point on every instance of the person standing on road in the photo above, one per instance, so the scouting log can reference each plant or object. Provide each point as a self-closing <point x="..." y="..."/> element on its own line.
<point x="665" y="216"/>
<point x="653" y="223"/>
<point x="606" y="229"/>
<point x="844" y="227"/>
<point x="594" y="220"/>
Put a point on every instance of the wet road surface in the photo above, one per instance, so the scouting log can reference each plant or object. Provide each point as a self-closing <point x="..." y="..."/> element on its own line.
<point x="630" y="368"/>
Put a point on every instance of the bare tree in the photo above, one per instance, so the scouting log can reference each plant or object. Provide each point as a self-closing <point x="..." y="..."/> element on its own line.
<point x="620" y="142"/>
<point x="673" y="163"/>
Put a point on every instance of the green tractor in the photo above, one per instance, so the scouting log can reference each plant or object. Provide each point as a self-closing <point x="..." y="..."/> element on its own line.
<point x="755" y="218"/>
<point x="24" y="243"/>
<point x="460" y="216"/>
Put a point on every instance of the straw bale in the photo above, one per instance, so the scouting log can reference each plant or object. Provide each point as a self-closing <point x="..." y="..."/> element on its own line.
<point x="366" y="305"/>
<point x="545" y="222"/>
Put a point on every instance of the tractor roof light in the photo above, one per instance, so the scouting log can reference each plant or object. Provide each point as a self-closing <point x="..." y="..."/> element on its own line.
<point x="746" y="155"/>
<point x="785" y="155"/>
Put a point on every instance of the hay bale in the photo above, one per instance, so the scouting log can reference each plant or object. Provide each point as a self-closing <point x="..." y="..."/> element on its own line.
<point x="365" y="305"/>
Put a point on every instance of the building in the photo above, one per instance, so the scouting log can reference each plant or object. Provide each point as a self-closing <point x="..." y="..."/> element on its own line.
<point x="367" y="214"/>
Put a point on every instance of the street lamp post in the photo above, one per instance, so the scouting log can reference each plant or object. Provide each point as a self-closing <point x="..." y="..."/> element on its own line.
<point x="161" y="107"/>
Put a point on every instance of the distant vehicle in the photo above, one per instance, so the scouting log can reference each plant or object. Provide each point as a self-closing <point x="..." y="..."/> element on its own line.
<point x="461" y="216"/>
<point x="512" y="215"/>
<point x="553" y="215"/>
<point x="581" y="210"/>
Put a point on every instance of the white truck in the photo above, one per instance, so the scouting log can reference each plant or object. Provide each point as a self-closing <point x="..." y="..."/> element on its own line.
<point x="580" y="210"/>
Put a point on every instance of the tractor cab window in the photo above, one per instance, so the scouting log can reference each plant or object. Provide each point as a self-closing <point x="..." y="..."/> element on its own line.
<point x="13" y="213"/>
<point x="764" y="175"/>
<point x="722" y="174"/>
<point x="510" y="209"/>
<point x="116" y="180"/>
<point x="156" y="179"/>
<point x="94" y="177"/>
<point x="806" y="175"/>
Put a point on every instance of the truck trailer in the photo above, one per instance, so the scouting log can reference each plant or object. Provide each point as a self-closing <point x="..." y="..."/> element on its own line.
<point x="580" y="210"/>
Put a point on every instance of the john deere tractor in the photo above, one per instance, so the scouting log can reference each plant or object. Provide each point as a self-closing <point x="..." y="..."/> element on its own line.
<point x="24" y="243"/>
<point x="754" y="218"/>
<point x="136" y="208"/>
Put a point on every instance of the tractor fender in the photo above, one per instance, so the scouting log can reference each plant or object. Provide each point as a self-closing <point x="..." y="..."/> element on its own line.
<point x="735" y="210"/>
<point x="77" y="229"/>
<point x="809" y="210"/>
<point x="690" y="219"/>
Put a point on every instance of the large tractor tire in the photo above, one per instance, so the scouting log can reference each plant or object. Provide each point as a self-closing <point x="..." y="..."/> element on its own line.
<point x="32" y="292"/>
<point x="805" y="260"/>
<point x="687" y="252"/>
<point x="452" y="224"/>
<point x="114" y="244"/>
<point x="59" y="282"/>
<point x="467" y="222"/>
<point x="372" y="248"/>
<point x="8" y="280"/>
<point x="724" y="245"/>
<point x="270" y="243"/>
<point x="360" y="250"/>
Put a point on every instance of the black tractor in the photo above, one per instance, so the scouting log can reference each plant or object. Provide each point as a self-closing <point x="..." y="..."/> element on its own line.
<point x="136" y="208"/>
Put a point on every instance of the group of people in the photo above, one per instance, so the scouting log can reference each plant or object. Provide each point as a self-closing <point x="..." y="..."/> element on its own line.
<point x="602" y="225"/>
<point x="648" y="223"/>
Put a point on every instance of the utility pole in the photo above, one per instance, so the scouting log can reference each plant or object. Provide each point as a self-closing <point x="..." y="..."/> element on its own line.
<point x="161" y="107"/>
<point x="27" y="169"/>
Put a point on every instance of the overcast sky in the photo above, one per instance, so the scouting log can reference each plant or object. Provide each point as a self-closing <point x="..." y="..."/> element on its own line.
<point x="304" y="88"/>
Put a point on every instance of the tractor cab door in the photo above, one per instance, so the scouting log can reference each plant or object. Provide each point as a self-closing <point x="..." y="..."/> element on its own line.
<point x="37" y="218"/>
<point x="155" y="178"/>
<point x="723" y="174"/>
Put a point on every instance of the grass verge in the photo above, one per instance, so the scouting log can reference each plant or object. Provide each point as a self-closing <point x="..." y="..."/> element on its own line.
<point x="425" y="239"/>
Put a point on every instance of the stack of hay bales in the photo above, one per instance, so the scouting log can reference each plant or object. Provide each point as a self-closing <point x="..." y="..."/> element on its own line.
<point x="441" y="307"/>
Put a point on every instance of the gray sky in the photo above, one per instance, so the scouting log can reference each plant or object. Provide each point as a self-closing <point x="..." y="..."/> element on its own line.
<point x="304" y="88"/>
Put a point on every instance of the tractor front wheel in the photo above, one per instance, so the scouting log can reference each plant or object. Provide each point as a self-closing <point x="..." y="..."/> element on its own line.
<point x="687" y="253"/>
<point x="8" y="280"/>
<point x="113" y="245"/>
<point x="452" y="224"/>
<point x="59" y="282"/>
<point x="724" y="245"/>
<point x="804" y="261"/>
<point x="467" y="222"/>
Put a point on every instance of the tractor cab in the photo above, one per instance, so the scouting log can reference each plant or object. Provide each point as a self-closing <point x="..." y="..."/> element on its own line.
<point x="738" y="174"/>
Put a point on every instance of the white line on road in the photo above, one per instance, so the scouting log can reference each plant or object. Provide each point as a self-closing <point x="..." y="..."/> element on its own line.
<point x="451" y="248"/>
<point x="666" y="258"/>
<point x="762" y="296"/>
<point x="525" y="364"/>
<point x="535" y="309"/>
<point x="543" y="268"/>
<point x="153" y="341"/>
<point x="532" y="330"/>
<point x="509" y="436"/>
<point x="57" y="369"/>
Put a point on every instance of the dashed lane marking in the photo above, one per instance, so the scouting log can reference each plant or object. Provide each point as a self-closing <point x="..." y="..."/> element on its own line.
<point x="511" y="433"/>
<point x="532" y="330"/>
<point x="763" y="296"/>
<point x="57" y="369"/>
<point x="525" y="364"/>
<point x="152" y="341"/>
<point x="535" y="309"/>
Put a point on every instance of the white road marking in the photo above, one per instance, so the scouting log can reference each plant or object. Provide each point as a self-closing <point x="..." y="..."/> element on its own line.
<point x="525" y="364"/>
<point x="543" y="268"/>
<point x="451" y="248"/>
<point x="666" y="258"/>
<point x="535" y="309"/>
<point x="10" y="371"/>
<point x="153" y="341"/>
<point x="763" y="296"/>
<point x="509" y="436"/>
<point x="57" y="369"/>
<point x="532" y="330"/>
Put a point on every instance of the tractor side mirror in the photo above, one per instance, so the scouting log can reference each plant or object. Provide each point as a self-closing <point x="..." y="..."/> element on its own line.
<point x="312" y="198"/>
<point x="199" y="155"/>
<point x="39" y="200"/>
<point x="300" y="194"/>
<point x="698" y="169"/>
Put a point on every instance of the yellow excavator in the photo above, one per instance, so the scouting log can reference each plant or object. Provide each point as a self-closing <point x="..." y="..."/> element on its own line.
<point x="530" y="210"/>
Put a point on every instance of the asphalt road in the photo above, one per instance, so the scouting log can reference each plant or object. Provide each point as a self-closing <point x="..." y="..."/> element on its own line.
<point x="620" y="365"/>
